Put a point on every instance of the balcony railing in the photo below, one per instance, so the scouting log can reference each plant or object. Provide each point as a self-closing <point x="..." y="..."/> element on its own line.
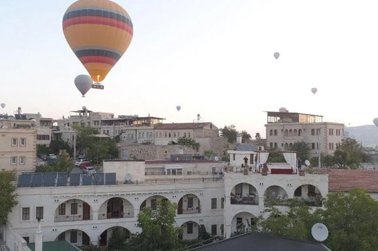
<point x="191" y="211"/>
<point x="66" y="218"/>
<point x="115" y="215"/>
<point x="244" y="200"/>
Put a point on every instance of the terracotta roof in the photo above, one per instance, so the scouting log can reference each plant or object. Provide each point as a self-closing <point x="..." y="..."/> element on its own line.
<point x="344" y="180"/>
<point x="177" y="126"/>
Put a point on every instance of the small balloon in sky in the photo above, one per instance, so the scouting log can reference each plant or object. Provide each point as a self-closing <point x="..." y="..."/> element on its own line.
<point x="178" y="108"/>
<point x="276" y="55"/>
<point x="314" y="90"/>
<point x="2" y="105"/>
<point x="375" y="121"/>
<point x="83" y="83"/>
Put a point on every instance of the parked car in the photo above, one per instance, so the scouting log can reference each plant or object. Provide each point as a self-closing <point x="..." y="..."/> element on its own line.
<point x="89" y="170"/>
<point x="52" y="156"/>
<point x="80" y="161"/>
<point x="84" y="164"/>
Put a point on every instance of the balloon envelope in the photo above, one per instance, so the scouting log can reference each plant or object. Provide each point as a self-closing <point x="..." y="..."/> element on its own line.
<point x="276" y="55"/>
<point x="178" y="108"/>
<point x="98" y="32"/>
<point x="375" y="121"/>
<point x="314" y="90"/>
<point x="2" y="105"/>
<point x="83" y="83"/>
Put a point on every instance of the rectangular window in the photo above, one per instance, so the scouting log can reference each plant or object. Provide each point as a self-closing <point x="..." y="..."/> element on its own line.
<point x="21" y="160"/>
<point x="14" y="141"/>
<point x="13" y="160"/>
<point x="23" y="142"/>
<point x="222" y="202"/>
<point x="312" y="146"/>
<point x="213" y="229"/>
<point x="213" y="203"/>
<point x="233" y="156"/>
<point x="270" y="132"/>
<point x="312" y="132"/>
<point x="25" y="213"/>
<point x="275" y="132"/>
<point x="73" y="236"/>
<point x="189" y="227"/>
<point x="73" y="208"/>
<point x="62" y="209"/>
<point x="39" y="212"/>
<point x="330" y="131"/>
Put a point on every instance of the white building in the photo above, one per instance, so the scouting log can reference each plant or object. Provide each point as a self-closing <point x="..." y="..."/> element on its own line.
<point x="225" y="199"/>
<point x="283" y="129"/>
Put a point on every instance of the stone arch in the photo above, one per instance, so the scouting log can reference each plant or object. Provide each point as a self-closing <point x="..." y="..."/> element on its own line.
<point x="116" y="207"/>
<point x="189" y="204"/>
<point x="152" y="201"/>
<point x="190" y="230"/>
<point x="275" y="195"/>
<point x="244" y="193"/>
<point x="242" y="222"/>
<point x="123" y="233"/>
<point x="309" y="194"/>
<point x="76" y="237"/>
<point x="73" y="210"/>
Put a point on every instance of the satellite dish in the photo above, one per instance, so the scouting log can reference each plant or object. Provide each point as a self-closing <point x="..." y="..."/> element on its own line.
<point x="375" y="121"/>
<point x="276" y="55"/>
<point x="283" y="109"/>
<point x="314" y="90"/>
<point x="307" y="163"/>
<point x="319" y="231"/>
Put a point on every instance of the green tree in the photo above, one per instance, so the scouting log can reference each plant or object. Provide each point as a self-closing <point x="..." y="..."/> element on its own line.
<point x="118" y="238"/>
<point x="62" y="164"/>
<point x="229" y="133"/>
<point x="349" y="154"/>
<point x="7" y="195"/>
<point x="56" y="146"/>
<point x="302" y="150"/>
<point x="246" y="137"/>
<point x="184" y="141"/>
<point x="158" y="230"/>
<point x="352" y="220"/>
<point x="296" y="223"/>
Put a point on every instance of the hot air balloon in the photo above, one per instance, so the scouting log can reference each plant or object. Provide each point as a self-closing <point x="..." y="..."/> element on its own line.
<point x="314" y="90"/>
<point x="2" y="105"/>
<point x="375" y="121"/>
<point x="83" y="83"/>
<point x="276" y="55"/>
<point x="98" y="32"/>
<point x="178" y="108"/>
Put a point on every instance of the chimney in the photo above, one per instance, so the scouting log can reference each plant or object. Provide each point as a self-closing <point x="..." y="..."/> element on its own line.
<point x="38" y="237"/>
<point x="239" y="139"/>
<point x="19" y="110"/>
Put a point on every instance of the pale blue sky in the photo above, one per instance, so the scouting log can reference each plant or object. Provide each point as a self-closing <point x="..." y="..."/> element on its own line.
<point x="212" y="57"/>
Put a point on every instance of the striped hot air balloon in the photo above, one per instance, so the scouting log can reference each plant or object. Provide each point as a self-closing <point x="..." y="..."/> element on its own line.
<point x="99" y="32"/>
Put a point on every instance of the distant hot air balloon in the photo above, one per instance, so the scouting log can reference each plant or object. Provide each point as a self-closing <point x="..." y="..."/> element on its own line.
<point x="178" y="108"/>
<point x="83" y="83"/>
<point x="99" y="32"/>
<point x="314" y="90"/>
<point x="276" y="55"/>
<point x="2" y="105"/>
<point x="375" y="121"/>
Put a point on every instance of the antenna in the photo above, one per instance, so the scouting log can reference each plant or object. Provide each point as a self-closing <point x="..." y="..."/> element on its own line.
<point x="319" y="231"/>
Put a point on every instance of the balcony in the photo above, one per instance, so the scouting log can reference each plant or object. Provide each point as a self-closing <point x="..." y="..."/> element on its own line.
<point x="244" y="200"/>
<point x="115" y="215"/>
<point x="67" y="218"/>
<point x="191" y="211"/>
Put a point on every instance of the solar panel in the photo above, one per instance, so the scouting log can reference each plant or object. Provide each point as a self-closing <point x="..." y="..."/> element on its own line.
<point x="99" y="179"/>
<point x="62" y="179"/>
<point x="86" y="180"/>
<point x="110" y="179"/>
<point x="49" y="179"/>
<point x="24" y="180"/>
<point x="37" y="180"/>
<point x="74" y="179"/>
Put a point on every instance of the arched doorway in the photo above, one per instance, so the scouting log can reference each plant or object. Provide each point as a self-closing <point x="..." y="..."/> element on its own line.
<point x="115" y="208"/>
<point x="152" y="202"/>
<point x="244" y="193"/>
<point x="189" y="204"/>
<point x="309" y="194"/>
<point x="73" y="210"/>
<point x="275" y="195"/>
<point x="76" y="237"/>
<point x="190" y="230"/>
<point x="242" y="222"/>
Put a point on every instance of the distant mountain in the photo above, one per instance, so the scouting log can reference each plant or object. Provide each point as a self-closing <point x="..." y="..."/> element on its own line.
<point x="367" y="135"/>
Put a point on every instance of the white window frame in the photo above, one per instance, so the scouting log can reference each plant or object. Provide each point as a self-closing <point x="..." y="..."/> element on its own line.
<point x="13" y="160"/>
<point x="14" y="141"/>
<point x="22" y="141"/>
<point x="21" y="160"/>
